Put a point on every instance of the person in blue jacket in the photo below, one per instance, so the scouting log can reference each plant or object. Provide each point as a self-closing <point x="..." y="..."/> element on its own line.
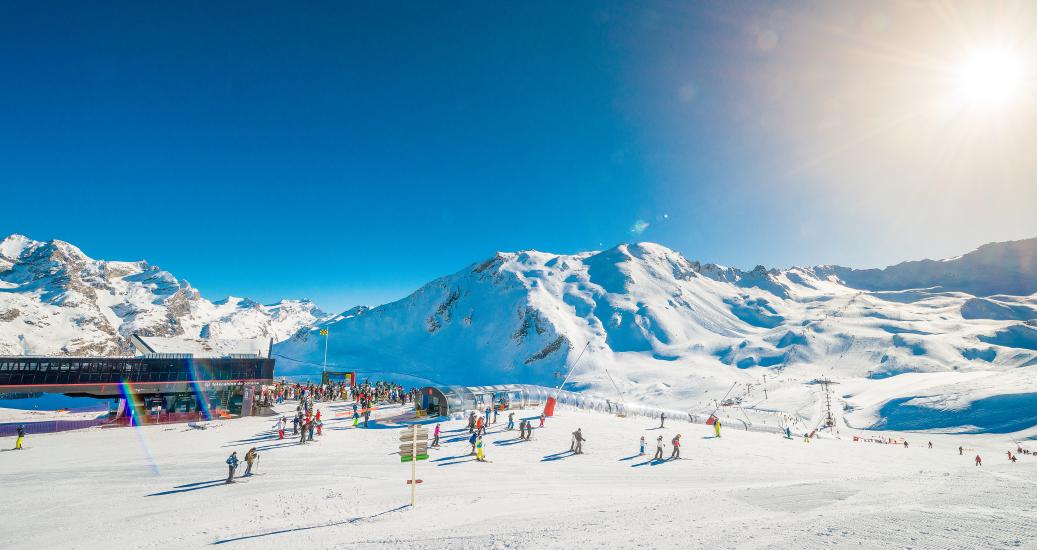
<point x="232" y="464"/>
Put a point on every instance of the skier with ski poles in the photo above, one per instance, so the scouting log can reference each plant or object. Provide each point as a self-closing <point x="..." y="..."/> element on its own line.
<point x="280" y="427"/>
<point x="578" y="437"/>
<point x="658" y="448"/>
<point x="676" y="454"/>
<point x="232" y="464"/>
<point x="435" y="437"/>
<point x="642" y="451"/>
<point x="250" y="459"/>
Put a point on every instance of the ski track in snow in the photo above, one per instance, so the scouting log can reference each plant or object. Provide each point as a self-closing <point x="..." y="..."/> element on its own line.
<point x="94" y="489"/>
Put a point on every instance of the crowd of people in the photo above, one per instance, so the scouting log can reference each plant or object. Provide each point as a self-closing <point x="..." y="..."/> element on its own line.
<point x="308" y="422"/>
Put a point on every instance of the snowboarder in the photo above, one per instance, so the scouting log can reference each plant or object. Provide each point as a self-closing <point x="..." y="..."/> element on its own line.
<point x="676" y="442"/>
<point x="658" y="448"/>
<point x="480" y="453"/>
<point x="435" y="437"/>
<point x="579" y="439"/>
<point x="716" y="427"/>
<point x="232" y="464"/>
<point x="979" y="461"/>
<point x="662" y="420"/>
<point x="250" y="459"/>
<point x="642" y="451"/>
<point x="20" y="438"/>
<point x="511" y="421"/>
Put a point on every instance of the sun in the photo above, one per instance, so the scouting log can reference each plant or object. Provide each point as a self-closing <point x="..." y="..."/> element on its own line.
<point x="990" y="78"/>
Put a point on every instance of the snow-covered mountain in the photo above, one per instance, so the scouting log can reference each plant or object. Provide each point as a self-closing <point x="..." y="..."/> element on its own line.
<point x="56" y="300"/>
<point x="933" y="344"/>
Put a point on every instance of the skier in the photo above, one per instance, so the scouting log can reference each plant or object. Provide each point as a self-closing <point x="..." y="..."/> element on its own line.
<point x="979" y="461"/>
<point x="788" y="433"/>
<point x="495" y="415"/>
<point x="806" y="437"/>
<point x="480" y="453"/>
<point x="524" y="429"/>
<point x="960" y="450"/>
<point x="471" y="422"/>
<point x="658" y="448"/>
<point x="367" y="416"/>
<point x="312" y="424"/>
<point x="250" y="459"/>
<point x="320" y="425"/>
<point x="578" y="437"/>
<point x="302" y="433"/>
<point x="21" y="436"/>
<point x="232" y="464"/>
<point x="542" y="417"/>
<point x="716" y="427"/>
<point x="905" y="443"/>
<point x="487" y="413"/>
<point x="930" y="444"/>
<point x="280" y="427"/>
<point x="295" y="424"/>
<point x="642" y="451"/>
<point x="529" y="430"/>
<point x="511" y="421"/>
<point x="662" y="420"/>
<point x="471" y="441"/>
<point x="356" y="419"/>
<point x="676" y="442"/>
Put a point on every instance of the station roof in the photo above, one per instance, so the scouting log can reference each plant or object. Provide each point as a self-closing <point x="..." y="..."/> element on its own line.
<point x="198" y="347"/>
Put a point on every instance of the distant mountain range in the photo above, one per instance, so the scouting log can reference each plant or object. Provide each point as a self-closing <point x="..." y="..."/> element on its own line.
<point x="946" y="344"/>
<point x="54" y="299"/>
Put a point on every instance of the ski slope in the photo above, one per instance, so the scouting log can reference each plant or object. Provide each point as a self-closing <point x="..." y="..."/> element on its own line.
<point x="656" y="328"/>
<point x="161" y="487"/>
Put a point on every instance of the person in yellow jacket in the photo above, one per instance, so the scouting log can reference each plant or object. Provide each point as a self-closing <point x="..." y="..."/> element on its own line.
<point x="480" y="455"/>
<point x="21" y="436"/>
<point x="716" y="427"/>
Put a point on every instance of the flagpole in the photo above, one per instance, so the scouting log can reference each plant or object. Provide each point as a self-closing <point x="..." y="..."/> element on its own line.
<point x="327" y="333"/>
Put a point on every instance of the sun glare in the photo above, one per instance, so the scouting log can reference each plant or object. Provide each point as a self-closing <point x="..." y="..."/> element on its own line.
<point x="990" y="78"/>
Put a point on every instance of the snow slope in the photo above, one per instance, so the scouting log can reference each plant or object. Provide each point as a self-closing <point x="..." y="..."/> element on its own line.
<point x="664" y="330"/>
<point x="746" y="490"/>
<point x="56" y="300"/>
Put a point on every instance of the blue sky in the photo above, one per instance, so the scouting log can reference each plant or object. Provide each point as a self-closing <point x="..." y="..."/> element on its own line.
<point x="349" y="152"/>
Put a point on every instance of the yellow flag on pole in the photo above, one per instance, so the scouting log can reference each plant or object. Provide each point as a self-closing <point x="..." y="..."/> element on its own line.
<point x="323" y="332"/>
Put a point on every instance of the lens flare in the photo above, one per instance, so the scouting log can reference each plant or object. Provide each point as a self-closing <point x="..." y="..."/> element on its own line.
<point x="138" y="417"/>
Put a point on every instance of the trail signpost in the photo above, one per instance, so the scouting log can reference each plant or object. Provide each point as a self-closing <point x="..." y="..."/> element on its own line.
<point x="413" y="447"/>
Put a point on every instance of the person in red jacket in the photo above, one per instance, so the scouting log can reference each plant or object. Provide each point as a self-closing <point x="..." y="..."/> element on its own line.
<point x="979" y="461"/>
<point x="676" y="454"/>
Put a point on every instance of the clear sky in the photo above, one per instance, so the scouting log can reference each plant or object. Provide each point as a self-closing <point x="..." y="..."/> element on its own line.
<point x="351" y="151"/>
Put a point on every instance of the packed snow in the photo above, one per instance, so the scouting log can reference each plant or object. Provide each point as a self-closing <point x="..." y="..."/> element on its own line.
<point x="163" y="486"/>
